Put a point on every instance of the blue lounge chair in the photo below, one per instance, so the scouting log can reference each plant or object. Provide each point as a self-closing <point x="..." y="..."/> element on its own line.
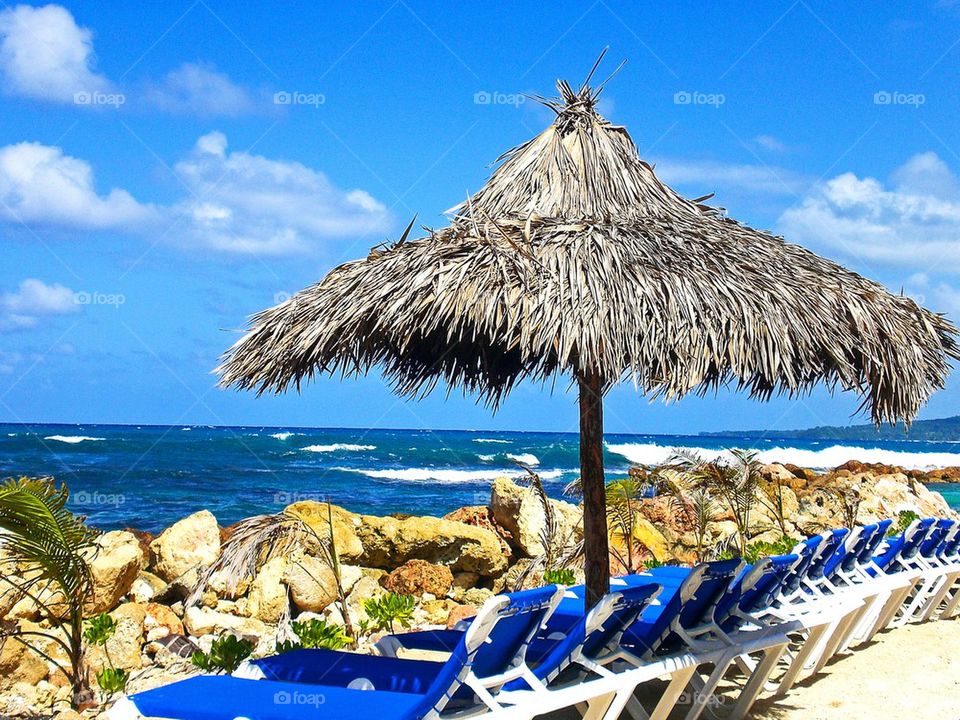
<point x="489" y="654"/>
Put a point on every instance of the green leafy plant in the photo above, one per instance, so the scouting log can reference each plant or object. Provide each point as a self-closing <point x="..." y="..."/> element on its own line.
<point x="562" y="576"/>
<point x="316" y="633"/>
<point x="905" y="518"/>
<point x="652" y="563"/>
<point x="98" y="632"/>
<point x="762" y="548"/>
<point x="226" y="654"/>
<point x="389" y="609"/>
<point x="734" y="482"/>
<point x="49" y="545"/>
<point x="112" y="680"/>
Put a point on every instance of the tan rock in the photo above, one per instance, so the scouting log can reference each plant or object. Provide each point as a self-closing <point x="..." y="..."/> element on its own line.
<point x="203" y="622"/>
<point x="186" y="546"/>
<point x="520" y="511"/>
<point x="124" y="647"/>
<point x="20" y="664"/>
<point x="416" y="577"/>
<point x="345" y="526"/>
<point x="459" y="614"/>
<point x="146" y="587"/>
<point x="160" y="621"/>
<point x="267" y="598"/>
<point x="116" y="562"/>
<point x="366" y="588"/>
<point x="391" y="541"/>
<point x="313" y="585"/>
<point x="434" y="612"/>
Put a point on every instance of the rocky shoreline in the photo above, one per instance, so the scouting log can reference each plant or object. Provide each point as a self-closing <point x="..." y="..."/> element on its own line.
<point x="450" y="565"/>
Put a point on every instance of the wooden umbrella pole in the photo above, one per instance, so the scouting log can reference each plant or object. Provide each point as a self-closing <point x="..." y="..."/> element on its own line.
<point x="596" y="549"/>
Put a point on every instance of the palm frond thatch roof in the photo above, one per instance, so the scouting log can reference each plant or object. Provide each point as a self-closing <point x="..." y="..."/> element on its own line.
<point x="573" y="258"/>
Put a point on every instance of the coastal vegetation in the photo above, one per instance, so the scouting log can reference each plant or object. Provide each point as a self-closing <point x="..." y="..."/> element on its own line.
<point x="200" y="597"/>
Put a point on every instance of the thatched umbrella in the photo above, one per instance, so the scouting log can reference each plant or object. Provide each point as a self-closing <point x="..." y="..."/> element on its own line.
<point x="575" y="259"/>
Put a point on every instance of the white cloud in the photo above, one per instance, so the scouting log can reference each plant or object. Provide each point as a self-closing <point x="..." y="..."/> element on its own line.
<point x="249" y="204"/>
<point x="709" y="176"/>
<point x="238" y="202"/>
<point x="32" y="301"/>
<point x="40" y="185"/>
<point x="44" y="54"/>
<point x="912" y="222"/>
<point x="937" y="296"/>
<point x="771" y="143"/>
<point x="199" y="89"/>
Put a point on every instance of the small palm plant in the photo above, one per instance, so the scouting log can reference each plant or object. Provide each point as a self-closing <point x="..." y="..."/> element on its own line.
<point x="49" y="544"/>
<point x="623" y="504"/>
<point x="316" y="633"/>
<point x="734" y="482"/>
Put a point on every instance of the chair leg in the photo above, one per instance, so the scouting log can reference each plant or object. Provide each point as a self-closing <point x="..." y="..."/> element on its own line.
<point x="800" y="660"/>
<point x="599" y="707"/>
<point x="703" y="690"/>
<point x="678" y="683"/>
<point x="758" y="679"/>
<point x="952" y="607"/>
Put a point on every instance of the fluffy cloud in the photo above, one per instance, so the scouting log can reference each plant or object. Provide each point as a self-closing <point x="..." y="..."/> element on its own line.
<point x="32" y="301"/>
<point x="708" y="175"/>
<point x="237" y="203"/>
<point x="44" y="54"/>
<point x="911" y="222"/>
<point x="196" y="88"/>
<point x="40" y="185"/>
<point x="248" y="204"/>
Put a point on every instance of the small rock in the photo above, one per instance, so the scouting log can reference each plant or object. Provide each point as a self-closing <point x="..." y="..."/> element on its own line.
<point x="267" y="598"/>
<point x="185" y="547"/>
<point x="416" y="577"/>
<point x="459" y="614"/>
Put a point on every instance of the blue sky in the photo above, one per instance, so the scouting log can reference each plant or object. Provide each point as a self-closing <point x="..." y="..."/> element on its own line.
<point x="168" y="169"/>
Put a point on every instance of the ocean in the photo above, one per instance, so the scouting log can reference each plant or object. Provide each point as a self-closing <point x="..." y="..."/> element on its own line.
<point x="147" y="477"/>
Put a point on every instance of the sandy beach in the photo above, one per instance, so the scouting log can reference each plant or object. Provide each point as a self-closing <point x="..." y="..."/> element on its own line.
<point x="904" y="671"/>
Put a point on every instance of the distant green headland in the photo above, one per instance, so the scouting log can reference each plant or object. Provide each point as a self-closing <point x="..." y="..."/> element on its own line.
<point x="939" y="430"/>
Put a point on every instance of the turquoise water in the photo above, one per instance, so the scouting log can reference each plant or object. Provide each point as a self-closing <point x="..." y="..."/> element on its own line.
<point x="950" y="492"/>
<point x="148" y="477"/>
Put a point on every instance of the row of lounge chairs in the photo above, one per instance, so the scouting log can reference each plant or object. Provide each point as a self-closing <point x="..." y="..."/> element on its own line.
<point x="530" y="653"/>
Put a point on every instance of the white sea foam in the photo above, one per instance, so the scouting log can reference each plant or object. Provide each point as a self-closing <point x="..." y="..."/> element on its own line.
<point x="337" y="447"/>
<point x="72" y="439"/>
<point x="828" y="457"/>
<point x="525" y="458"/>
<point x="445" y="475"/>
<point x="492" y="440"/>
<point x="284" y="435"/>
<point x="487" y="458"/>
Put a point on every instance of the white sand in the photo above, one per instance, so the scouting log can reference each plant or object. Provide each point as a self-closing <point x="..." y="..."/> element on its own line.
<point x="912" y="671"/>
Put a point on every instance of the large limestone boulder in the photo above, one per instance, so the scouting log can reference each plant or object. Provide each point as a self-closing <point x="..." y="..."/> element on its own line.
<point x="345" y="526"/>
<point x="520" y="511"/>
<point x="389" y="542"/>
<point x="312" y="583"/>
<point x="185" y="547"/>
<point x="117" y="560"/>
<point x="416" y="577"/>
<point x="267" y="598"/>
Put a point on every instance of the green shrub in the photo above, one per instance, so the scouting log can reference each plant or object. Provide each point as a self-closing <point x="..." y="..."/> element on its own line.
<point x="388" y="609"/>
<point x="563" y="576"/>
<point x="99" y="630"/>
<point x="762" y="548"/>
<point x="316" y="633"/>
<point x="226" y="654"/>
<point x="904" y="519"/>
<point x="112" y="680"/>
